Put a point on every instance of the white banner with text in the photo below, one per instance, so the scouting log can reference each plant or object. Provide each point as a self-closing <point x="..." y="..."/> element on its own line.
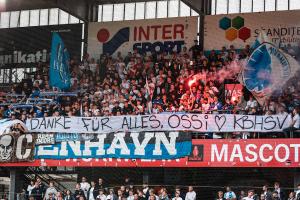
<point x="161" y="122"/>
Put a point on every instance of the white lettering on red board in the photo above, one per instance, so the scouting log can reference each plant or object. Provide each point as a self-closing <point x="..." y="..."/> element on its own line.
<point x="253" y="153"/>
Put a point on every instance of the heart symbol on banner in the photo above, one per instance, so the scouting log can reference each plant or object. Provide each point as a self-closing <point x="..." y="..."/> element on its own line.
<point x="220" y="121"/>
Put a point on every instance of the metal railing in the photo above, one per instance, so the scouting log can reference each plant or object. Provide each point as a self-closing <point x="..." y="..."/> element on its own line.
<point x="46" y="178"/>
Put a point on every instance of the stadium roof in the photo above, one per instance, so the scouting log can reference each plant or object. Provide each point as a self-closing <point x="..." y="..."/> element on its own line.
<point x="82" y="8"/>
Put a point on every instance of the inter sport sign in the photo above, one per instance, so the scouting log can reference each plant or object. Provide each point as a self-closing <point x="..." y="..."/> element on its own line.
<point x="144" y="35"/>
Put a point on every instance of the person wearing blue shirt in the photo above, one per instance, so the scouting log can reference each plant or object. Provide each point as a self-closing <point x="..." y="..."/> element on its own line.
<point x="229" y="195"/>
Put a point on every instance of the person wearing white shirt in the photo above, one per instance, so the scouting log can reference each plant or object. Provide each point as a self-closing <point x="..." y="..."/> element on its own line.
<point x="229" y="195"/>
<point x="51" y="191"/>
<point x="131" y="195"/>
<point x="92" y="191"/>
<point x="111" y="195"/>
<point x="101" y="195"/>
<point x="292" y="196"/>
<point x="205" y="105"/>
<point x="85" y="186"/>
<point x="145" y="188"/>
<point x="266" y="192"/>
<point x="151" y="193"/>
<point x="252" y="103"/>
<point x="220" y="195"/>
<point x="177" y="196"/>
<point x="295" y="122"/>
<point x="191" y="195"/>
<point x="93" y="66"/>
<point x="296" y="119"/>
<point x="298" y="191"/>
<point x="151" y="197"/>
<point x="250" y="195"/>
<point x="281" y="111"/>
<point x="30" y="187"/>
<point x="279" y="191"/>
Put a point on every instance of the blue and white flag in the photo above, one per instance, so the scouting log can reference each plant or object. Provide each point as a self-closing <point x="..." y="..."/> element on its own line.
<point x="59" y="64"/>
<point x="268" y="69"/>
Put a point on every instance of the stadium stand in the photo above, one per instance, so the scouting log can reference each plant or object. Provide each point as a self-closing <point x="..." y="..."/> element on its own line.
<point x="187" y="81"/>
<point x="136" y="83"/>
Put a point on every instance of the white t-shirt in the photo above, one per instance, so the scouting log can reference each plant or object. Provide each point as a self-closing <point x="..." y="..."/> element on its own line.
<point x="297" y="192"/>
<point x="156" y="197"/>
<point x="178" y="198"/>
<point x="282" y="113"/>
<point x="85" y="187"/>
<point x="29" y="189"/>
<point x="130" y="197"/>
<point x="93" y="67"/>
<point x="296" y="118"/>
<point x="101" y="197"/>
<point x="125" y="84"/>
<point x="247" y="198"/>
<point x="251" y="104"/>
<point x="91" y="195"/>
<point x="205" y="107"/>
<point x="230" y="195"/>
<point x="190" y="196"/>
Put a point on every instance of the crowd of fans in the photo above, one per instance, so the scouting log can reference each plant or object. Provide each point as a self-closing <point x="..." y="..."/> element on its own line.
<point x="98" y="190"/>
<point x="188" y="81"/>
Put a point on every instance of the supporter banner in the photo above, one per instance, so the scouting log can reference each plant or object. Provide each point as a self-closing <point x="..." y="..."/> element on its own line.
<point x="59" y="64"/>
<point x="63" y="137"/>
<point x="45" y="139"/>
<point x="15" y="147"/>
<point x="144" y="35"/>
<point x="145" y="145"/>
<point x="205" y="153"/>
<point x="161" y="122"/>
<point x="282" y="27"/>
<point x="22" y="47"/>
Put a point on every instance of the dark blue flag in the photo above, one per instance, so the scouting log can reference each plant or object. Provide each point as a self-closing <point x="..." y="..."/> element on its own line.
<point x="59" y="64"/>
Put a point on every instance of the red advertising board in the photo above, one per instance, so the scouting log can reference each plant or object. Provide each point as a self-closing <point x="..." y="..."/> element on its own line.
<point x="205" y="153"/>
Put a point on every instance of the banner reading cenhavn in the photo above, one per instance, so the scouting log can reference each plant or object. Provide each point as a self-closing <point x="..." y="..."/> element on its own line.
<point x="161" y="122"/>
<point x="145" y="145"/>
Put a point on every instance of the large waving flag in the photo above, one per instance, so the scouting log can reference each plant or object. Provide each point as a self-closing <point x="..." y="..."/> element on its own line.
<point x="59" y="64"/>
<point x="268" y="69"/>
